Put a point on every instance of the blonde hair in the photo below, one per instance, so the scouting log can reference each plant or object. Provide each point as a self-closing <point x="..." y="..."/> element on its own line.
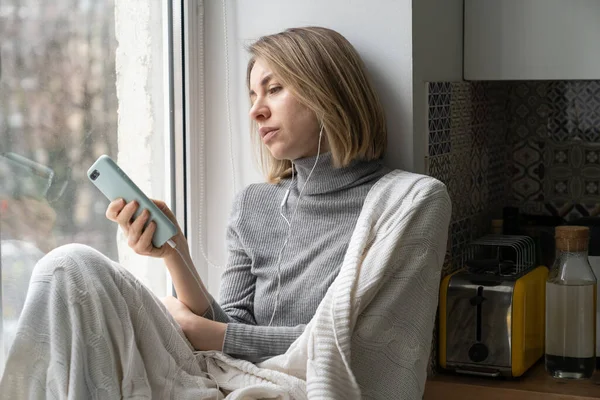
<point x="326" y="74"/>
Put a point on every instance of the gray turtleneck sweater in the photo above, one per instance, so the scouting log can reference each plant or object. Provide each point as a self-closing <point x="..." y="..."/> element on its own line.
<point x="320" y="233"/>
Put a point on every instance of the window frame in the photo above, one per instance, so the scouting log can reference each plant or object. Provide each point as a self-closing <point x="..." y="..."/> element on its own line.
<point x="187" y="129"/>
<point x="173" y="127"/>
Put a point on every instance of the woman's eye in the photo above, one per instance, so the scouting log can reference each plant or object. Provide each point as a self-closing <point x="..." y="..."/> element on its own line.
<point x="274" y="89"/>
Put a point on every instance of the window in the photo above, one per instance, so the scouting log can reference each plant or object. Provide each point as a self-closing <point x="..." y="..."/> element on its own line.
<point x="79" y="78"/>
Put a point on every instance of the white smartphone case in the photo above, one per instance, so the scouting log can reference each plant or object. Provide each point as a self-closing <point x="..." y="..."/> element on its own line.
<point x="106" y="175"/>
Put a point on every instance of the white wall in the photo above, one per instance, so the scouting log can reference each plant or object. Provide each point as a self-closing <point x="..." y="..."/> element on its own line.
<point x="437" y="57"/>
<point x="381" y="31"/>
<point x="532" y="39"/>
<point x="438" y="40"/>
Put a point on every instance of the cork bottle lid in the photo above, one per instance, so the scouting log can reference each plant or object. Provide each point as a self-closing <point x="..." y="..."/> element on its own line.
<point x="572" y="232"/>
<point x="572" y="238"/>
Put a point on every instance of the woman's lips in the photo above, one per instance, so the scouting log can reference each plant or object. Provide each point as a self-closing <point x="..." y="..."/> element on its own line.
<point x="269" y="135"/>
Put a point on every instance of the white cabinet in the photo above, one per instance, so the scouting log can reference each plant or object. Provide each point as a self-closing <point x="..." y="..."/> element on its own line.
<point x="531" y="39"/>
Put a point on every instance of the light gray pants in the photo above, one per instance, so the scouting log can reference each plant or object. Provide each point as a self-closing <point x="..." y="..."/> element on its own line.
<point x="90" y="330"/>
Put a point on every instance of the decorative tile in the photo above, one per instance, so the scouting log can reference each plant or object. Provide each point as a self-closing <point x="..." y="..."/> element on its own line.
<point x="468" y="151"/>
<point x="528" y="109"/>
<point x="528" y="171"/>
<point x="521" y="90"/>
<point x="591" y="157"/>
<point x="532" y="144"/>
<point x="590" y="187"/>
<point x="439" y="118"/>
<point x="460" y="232"/>
<point x="476" y="170"/>
<point x="576" y="212"/>
<point x="439" y="168"/>
<point x="560" y="188"/>
<point x="560" y="128"/>
<point x="593" y="208"/>
<point x="576" y="114"/>
<point x="535" y="208"/>
<point x="477" y="91"/>
<point x="573" y="175"/>
<point x="570" y="210"/>
<point x="448" y="267"/>
<point x="565" y="115"/>
<point x="479" y="135"/>
<point x="559" y="208"/>
<point x="559" y="156"/>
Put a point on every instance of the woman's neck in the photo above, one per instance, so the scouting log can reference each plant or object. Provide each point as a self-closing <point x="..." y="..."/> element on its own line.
<point x="325" y="177"/>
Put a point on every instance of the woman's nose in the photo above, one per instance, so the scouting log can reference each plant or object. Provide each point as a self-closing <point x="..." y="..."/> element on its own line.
<point x="259" y="111"/>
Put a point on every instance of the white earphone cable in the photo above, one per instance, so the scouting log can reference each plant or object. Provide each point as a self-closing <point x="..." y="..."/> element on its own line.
<point x="289" y="233"/>
<point x="233" y="172"/>
<point x="206" y="296"/>
<point x="195" y="275"/>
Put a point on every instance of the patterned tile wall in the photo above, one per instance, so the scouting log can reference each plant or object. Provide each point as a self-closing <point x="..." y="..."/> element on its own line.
<point x="469" y="152"/>
<point x="554" y="128"/>
<point x="530" y="144"/>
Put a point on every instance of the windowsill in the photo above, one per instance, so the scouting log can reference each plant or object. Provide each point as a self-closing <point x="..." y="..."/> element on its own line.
<point x="535" y="384"/>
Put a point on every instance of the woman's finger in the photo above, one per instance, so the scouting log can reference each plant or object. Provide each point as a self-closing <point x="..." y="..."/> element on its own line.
<point x="136" y="228"/>
<point x="114" y="208"/>
<point x="126" y="214"/>
<point x="162" y="206"/>
<point x="144" y="244"/>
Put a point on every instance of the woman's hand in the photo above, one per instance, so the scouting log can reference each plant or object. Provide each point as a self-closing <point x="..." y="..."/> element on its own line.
<point x="139" y="235"/>
<point x="203" y="334"/>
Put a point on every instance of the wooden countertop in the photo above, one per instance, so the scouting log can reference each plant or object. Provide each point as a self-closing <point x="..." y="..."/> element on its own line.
<point x="535" y="384"/>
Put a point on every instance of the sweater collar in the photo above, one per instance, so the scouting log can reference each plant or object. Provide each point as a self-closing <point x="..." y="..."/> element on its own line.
<point x="326" y="178"/>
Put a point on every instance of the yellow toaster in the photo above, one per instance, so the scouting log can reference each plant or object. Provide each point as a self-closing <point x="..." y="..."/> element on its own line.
<point x="492" y="320"/>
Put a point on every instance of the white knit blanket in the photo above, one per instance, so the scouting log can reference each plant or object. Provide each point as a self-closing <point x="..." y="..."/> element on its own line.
<point x="92" y="332"/>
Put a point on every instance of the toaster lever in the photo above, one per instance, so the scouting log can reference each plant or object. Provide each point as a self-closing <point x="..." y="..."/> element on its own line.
<point x="476" y="300"/>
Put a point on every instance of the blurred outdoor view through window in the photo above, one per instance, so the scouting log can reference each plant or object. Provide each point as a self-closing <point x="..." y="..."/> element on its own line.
<point x="58" y="113"/>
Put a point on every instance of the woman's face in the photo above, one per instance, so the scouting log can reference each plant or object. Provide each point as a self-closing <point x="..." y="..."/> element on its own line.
<point x="288" y="129"/>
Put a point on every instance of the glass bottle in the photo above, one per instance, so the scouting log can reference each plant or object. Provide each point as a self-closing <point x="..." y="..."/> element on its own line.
<point x="571" y="307"/>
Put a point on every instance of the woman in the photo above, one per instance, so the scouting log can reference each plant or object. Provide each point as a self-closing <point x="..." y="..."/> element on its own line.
<point x="288" y="112"/>
<point x="322" y="135"/>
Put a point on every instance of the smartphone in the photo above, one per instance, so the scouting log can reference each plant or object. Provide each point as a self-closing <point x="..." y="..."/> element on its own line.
<point x="114" y="184"/>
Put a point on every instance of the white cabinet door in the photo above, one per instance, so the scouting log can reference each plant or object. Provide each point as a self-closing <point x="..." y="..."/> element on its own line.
<point x="531" y="39"/>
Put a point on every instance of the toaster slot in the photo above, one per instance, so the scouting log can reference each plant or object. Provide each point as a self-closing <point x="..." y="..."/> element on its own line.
<point x="478" y="316"/>
<point x="477" y="301"/>
<point x="478" y="352"/>
<point x="479" y="322"/>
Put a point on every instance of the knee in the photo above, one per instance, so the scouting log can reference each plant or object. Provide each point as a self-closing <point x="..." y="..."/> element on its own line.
<point x="76" y="250"/>
<point x="74" y="259"/>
